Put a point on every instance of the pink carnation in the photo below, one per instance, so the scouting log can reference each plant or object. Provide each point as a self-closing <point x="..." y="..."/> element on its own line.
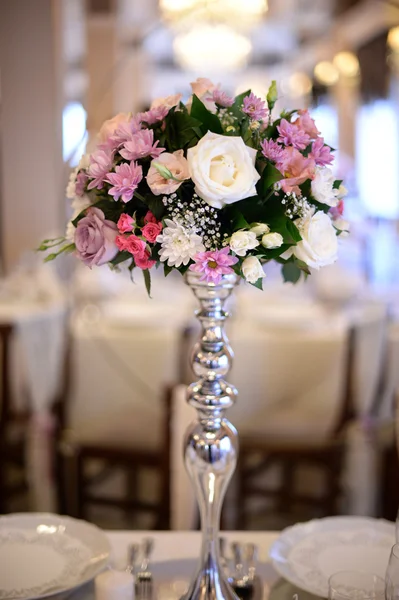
<point x="272" y="150"/>
<point x="290" y="135"/>
<point x="125" y="223"/>
<point x="213" y="264"/>
<point x="125" y="180"/>
<point x="336" y="212"/>
<point x="320" y="153"/>
<point x="255" y="108"/>
<point x="143" y="261"/>
<point x="151" y="231"/>
<point x="141" y="145"/>
<point x="295" y="168"/>
<point x="100" y="164"/>
<point x="306" y="124"/>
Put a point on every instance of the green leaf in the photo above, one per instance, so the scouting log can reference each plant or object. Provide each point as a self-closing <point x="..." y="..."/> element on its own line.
<point x="157" y="207"/>
<point x="147" y="281"/>
<point x="337" y="183"/>
<point x="293" y="231"/>
<point x="291" y="272"/>
<point x="120" y="258"/>
<point x="210" y="122"/>
<point x="270" y="176"/>
<point x="238" y="221"/>
<point x="64" y="250"/>
<point x="272" y="95"/>
<point x="167" y="269"/>
<point x="258" y="284"/>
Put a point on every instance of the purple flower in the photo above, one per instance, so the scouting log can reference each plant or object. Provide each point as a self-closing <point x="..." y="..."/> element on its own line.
<point x="155" y="114"/>
<point x="80" y="183"/>
<point x="255" y="108"/>
<point x="213" y="264"/>
<point x="221" y="98"/>
<point x="320" y="153"/>
<point x="95" y="238"/>
<point x="125" y="180"/>
<point x="141" y="145"/>
<point x="291" y="135"/>
<point x="125" y="131"/>
<point x="272" y="150"/>
<point x="100" y="164"/>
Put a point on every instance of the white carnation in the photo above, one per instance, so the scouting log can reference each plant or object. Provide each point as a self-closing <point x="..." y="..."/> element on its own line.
<point x="242" y="241"/>
<point x="70" y="232"/>
<point x="319" y="244"/>
<point x="272" y="240"/>
<point x="70" y="191"/>
<point x="322" y="187"/>
<point x="178" y="245"/>
<point x="252" y="269"/>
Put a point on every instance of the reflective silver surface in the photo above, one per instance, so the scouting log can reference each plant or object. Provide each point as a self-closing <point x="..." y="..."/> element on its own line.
<point x="211" y="445"/>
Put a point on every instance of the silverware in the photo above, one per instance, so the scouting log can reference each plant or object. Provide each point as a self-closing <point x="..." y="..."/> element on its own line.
<point x="132" y="554"/>
<point x="144" y="579"/>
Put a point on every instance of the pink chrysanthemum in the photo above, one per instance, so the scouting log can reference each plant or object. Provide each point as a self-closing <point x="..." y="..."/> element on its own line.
<point x="255" y="107"/>
<point x="155" y="114"/>
<point x="272" y="150"/>
<point x="221" y="98"/>
<point x="80" y="183"/>
<point x="320" y="153"/>
<point x="100" y="164"/>
<point x="125" y="180"/>
<point x="291" y="135"/>
<point x="125" y="132"/>
<point x="141" y="145"/>
<point x="213" y="264"/>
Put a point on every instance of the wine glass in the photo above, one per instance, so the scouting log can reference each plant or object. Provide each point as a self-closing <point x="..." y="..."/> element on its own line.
<point x="355" y="585"/>
<point x="392" y="575"/>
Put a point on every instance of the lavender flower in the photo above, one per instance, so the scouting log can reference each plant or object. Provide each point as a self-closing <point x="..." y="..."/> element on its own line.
<point x="125" y="180"/>
<point x="221" y="98"/>
<point x="291" y="135"/>
<point x="100" y="164"/>
<point x="255" y="108"/>
<point x="320" y="153"/>
<point x="141" y="145"/>
<point x="272" y="150"/>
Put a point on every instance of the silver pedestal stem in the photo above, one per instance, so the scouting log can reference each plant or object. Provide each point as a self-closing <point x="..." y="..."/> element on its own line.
<point x="211" y="444"/>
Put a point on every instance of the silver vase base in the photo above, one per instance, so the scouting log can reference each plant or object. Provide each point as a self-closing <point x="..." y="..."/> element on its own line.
<point x="210" y="584"/>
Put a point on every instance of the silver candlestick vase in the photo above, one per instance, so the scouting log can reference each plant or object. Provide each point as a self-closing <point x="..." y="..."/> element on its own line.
<point x="211" y="444"/>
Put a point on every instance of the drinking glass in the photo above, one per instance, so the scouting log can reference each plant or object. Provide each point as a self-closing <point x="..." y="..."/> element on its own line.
<point x="355" y="585"/>
<point x="392" y="575"/>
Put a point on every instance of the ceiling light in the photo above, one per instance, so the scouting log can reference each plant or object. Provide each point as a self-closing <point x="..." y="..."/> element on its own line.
<point x="393" y="38"/>
<point x="240" y="13"/>
<point x="211" y="48"/>
<point x="326" y="73"/>
<point x="347" y="64"/>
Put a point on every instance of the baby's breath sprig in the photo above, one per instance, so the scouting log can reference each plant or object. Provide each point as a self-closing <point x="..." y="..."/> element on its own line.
<point x="296" y="207"/>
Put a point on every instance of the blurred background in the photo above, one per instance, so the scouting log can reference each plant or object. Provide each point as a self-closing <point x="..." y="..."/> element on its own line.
<point x="92" y="414"/>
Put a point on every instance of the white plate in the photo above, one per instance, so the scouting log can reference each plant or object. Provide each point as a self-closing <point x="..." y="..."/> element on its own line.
<point x="44" y="554"/>
<point x="307" y="554"/>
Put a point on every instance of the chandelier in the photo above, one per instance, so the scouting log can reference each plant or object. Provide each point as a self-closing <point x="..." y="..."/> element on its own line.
<point x="210" y="48"/>
<point x="241" y="14"/>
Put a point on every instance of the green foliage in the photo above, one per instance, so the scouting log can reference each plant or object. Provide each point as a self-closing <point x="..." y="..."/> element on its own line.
<point x="182" y="131"/>
<point x="120" y="258"/>
<point x="64" y="250"/>
<point x="156" y="206"/>
<point x="272" y="95"/>
<point x="269" y="177"/>
<point x="209" y="121"/>
<point x="167" y="269"/>
<point x="258" y="284"/>
<point x="147" y="281"/>
<point x="291" y="272"/>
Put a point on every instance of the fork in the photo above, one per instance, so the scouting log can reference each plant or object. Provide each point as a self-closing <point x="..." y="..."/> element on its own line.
<point x="144" y="576"/>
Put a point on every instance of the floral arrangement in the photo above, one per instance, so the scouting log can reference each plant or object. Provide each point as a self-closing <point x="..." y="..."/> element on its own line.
<point x="216" y="185"/>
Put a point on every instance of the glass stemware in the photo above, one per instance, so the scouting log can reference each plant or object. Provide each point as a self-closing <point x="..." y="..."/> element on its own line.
<point x="355" y="585"/>
<point x="392" y="575"/>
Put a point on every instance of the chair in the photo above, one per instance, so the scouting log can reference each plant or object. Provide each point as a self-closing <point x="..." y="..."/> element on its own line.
<point x="293" y="416"/>
<point x="13" y="480"/>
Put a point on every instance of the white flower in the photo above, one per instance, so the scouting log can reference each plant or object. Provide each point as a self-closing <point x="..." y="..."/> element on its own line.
<point x="179" y="245"/>
<point x="342" y="191"/>
<point x="342" y="225"/>
<point x="223" y="169"/>
<point x="84" y="162"/>
<point x="70" y="232"/>
<point x="78" y="204"/>
<point x="70" y="191"/>
<point x="272" y="240"/>
<point x="252" y="269"/>
<point x="319" y="244"/>
<point x="260" y="228"/>
<point x="322" y="187"/>
<point x="242" y="241"/>
<point x="168" y="102"/>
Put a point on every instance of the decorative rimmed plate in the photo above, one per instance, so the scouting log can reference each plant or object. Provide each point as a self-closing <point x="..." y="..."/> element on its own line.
<point x="307" y="554"/>
<point x="44" y="554"/>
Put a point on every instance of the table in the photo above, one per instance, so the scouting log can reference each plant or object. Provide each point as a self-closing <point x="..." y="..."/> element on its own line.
<point x="186" y="544"/>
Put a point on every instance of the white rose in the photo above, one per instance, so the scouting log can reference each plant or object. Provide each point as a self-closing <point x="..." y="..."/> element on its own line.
<point x="342" y="225"/>
<point x="223" y="169"/>
<point x="319" y="244"/>
<point x="242" y="241"/>
<point x="252" y="269"/>
<point x="322" y="187"/>
<point x="260" y="228"/>
<point x="272" y="240"/>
